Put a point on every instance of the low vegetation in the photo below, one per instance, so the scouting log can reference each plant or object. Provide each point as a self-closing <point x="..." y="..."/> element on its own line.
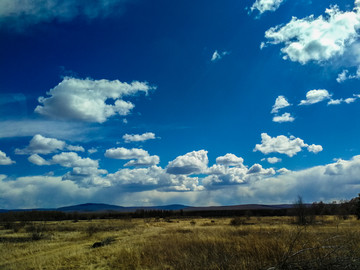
<point x="329" y="242"/>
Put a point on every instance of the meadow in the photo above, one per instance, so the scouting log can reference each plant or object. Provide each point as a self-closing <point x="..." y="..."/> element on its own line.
<point x="182" y="243"/>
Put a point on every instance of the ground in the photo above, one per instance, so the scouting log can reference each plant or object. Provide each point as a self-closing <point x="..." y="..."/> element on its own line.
<point x="186" y="243"/>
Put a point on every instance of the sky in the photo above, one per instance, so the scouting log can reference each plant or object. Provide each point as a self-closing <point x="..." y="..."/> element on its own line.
<point x="206" y="102"/>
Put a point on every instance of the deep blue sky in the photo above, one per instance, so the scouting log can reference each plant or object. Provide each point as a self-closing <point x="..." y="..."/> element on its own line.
<point x="206" y="127"/>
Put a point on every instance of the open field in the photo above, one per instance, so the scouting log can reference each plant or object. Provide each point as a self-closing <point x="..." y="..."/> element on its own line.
<point x="220" y="243"/>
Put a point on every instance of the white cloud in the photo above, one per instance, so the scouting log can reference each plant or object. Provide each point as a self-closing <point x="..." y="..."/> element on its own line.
<point x="222" y="175"/>
<point x="88" y="177"/>
<point x="285" y="117"/>
<point x="72" y="159"/>
<point x="60" y="130"/>
<point x="284" y="145"/>
<point x="75" y="148"/>
<point x="266" y="5"/>
<point x="344" y="75"/>
<point x="273" y="160"/>
<point x="259" y="170"/>
<point x="317" y="39"/>
<point x="315" y="148"/>
<point x="280" y="103"/>
<point x="124" y="153"/>
<point x="21" y="13"/>
<point x="153" y="177"/>
<point x="230" y="160"/>
<point x="225" y="175"/>
<point x="349" y="100"/>
<point x="140" y="157"/>
<point x="153" y="186"/>
<point x="139" y="137"/>
<point x="4" y="159"/>
<point x="283" y="171"/>
<point x="89" y="100"/>
<point x="144" y="161"/>
<point x="335" y="101"/>
<point x="191" y="163"/>
<point x="38" y="160"/>
<point x="217" y="56"/>
<point x="92" y="150"/>
<point x="42" y="145"/>
<point x="315" y="96"/>
<point x="339" y="101"/>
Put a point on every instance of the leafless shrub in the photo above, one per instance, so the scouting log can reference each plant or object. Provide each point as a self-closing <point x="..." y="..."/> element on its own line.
<point x="237" y="221"/>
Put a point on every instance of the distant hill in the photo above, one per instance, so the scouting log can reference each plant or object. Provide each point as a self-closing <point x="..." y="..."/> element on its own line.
<point x="90" y="207"/>
<point x="240" y="207"/>
<point x="101" y="207"/>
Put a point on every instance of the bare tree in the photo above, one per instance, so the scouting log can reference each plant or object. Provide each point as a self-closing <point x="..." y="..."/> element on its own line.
<point x="300" y="211"/>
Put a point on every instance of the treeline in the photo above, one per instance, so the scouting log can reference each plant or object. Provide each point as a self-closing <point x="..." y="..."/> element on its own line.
<point x="304" y="211"/>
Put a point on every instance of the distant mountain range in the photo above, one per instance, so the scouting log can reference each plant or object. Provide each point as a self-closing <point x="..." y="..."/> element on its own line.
<point x="100" y="207"/>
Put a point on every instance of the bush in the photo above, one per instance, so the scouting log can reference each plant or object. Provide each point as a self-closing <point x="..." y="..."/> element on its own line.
<point x="237" y="221"/>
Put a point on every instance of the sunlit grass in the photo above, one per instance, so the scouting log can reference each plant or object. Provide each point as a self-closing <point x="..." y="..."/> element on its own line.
<point x="252" y="243"/>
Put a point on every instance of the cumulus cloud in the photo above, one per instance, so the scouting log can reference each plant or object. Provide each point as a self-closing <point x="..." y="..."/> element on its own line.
<point x="284" y="145"/>
<point x="153" y="177"/>
<point x="75" y="148"/>
<point x="273" y="160"/>
<point x="21" y="13"/>
<point x="283" y="171"/>
<point x="223" y="175"/>
<point x="42" y="145"/>
<point x="218" y="55"/>
<point x="72" y="159"/>
<point x="38" y="160"/>
<point x="220" y="175"/>
<point x="191" y="163"/>
<point x="314" y="148"/>
<point x="140" y="157"/>
<point x="341" y="100"/>
<point x="124" y="153"/>
<point x="230" y="160"/>
<point x="317" y="39"/>
<point x="223" y="185"/>
<point x="92" y="150"/>
<point x="285" y="117"/>
<point x="128" y="138"/>
<point x="315" y="96"/>
<point x="4" y="159"/>
<point x="144" y="161"/>
<point x="266" y="5"/>
<point x="89" y="100"/>
<point x="280" y="103"/>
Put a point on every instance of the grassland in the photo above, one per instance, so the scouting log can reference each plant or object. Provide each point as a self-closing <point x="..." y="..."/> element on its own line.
<point x="221" y="243"/>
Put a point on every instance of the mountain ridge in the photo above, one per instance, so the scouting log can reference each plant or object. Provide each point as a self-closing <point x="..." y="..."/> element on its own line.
<point x="102" y="207"/>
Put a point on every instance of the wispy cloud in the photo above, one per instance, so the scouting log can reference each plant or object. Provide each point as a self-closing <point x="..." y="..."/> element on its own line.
<point x="59" y="129"/>
<point x="218" y="55"/>
<point x="20" y="14"/>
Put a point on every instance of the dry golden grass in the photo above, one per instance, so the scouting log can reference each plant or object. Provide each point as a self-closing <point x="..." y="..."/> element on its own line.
<point x="257" y="243"/>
